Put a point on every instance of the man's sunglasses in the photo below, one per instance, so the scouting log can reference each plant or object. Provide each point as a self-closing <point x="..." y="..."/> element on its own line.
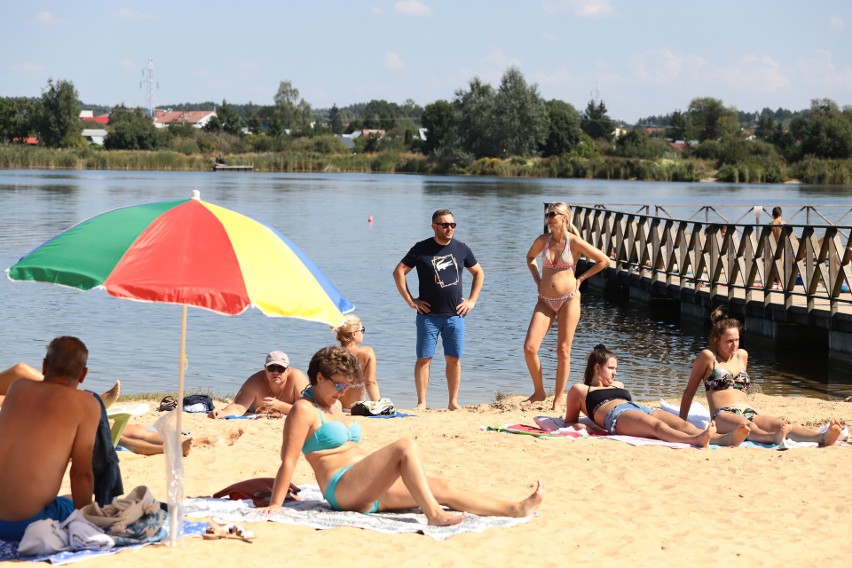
<point x="446" y="225"/>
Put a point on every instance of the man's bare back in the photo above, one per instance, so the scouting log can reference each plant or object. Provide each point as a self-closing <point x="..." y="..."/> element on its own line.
<point x="43" y="424"/>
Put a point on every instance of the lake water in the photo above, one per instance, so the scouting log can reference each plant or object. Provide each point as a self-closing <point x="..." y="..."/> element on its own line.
<point x="327" y="217"/>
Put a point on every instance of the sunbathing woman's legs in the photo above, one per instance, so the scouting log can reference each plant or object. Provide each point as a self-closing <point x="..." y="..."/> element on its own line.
<point x="733" y="438"/>
<point x="800" y="433"/>
<point x="637" y="423"/>
<point x="395" y="476"/>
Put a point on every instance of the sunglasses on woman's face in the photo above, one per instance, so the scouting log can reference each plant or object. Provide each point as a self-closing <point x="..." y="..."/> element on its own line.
<point x="339" y="387"/>
<point x="551" y="214"/>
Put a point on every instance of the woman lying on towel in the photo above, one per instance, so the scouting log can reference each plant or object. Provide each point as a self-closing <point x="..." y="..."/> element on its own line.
<point x="722" y="368"/>
<point x="391" y="478"/>
<point x="609" y="405"/>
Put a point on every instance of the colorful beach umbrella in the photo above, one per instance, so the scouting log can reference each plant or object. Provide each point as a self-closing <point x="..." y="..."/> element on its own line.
<point x="190" y="253"/>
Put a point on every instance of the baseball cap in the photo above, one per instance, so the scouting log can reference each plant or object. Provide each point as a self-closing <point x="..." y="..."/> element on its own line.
<point x="277" y="358"/>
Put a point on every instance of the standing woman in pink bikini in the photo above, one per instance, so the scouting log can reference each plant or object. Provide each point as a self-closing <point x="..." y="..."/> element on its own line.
<point x="558" y="296"/>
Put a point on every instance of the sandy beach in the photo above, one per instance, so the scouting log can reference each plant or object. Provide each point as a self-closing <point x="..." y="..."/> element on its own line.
<point x="606" y="503"/>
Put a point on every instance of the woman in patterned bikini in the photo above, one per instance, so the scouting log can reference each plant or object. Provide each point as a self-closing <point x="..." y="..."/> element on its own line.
<point x="722" y="368"/>
<point x="558" y="296"/>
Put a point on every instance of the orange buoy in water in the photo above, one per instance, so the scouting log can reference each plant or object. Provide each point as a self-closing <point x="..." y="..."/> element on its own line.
<point x="370" y="219"/>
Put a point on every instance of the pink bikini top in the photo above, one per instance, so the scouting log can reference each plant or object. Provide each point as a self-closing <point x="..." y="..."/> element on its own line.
<point x="563" y="262"/>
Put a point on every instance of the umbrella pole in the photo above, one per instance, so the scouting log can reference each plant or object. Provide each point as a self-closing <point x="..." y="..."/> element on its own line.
<point x="181" y="367"/>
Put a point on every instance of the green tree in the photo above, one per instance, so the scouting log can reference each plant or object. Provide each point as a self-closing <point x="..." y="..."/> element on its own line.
<point x="292" y="112"/>
<point x="677" y="128"/>
<point x="130" y="129"/>
<point x="825" y="131"/>
<point x="638" y="144"/>
<point x="335" y="121"/>
<point x="441" y="123"/>
<point x="17" y="118"/>
<point x="596" y="122"/>
<point x="711" y="120"/>
<point x="229" y="120"/>
<point x="477" y="130"/>
<point x="564" y="133"/>
<point x="520" y="115"/>
<point x="58" y="119"/>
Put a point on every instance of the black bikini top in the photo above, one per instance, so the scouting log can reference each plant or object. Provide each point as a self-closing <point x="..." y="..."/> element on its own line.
<point x="595" y="398"/>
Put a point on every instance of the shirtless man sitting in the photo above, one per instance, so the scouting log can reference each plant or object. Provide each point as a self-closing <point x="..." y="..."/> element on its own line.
<point x="275" y="388"/>
<point x="42" y="425"/>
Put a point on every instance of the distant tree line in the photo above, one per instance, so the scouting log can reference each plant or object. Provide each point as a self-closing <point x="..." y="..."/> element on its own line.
<point x="479" y="127"/>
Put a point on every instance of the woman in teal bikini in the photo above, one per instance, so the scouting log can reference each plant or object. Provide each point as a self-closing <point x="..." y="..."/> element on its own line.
<point x="351" y="479"/>
<point x="722" y="369"/>
<point x="558" y="296"/>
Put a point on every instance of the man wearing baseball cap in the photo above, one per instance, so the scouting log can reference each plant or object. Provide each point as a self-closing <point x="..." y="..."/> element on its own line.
<point x="274" y="388"/>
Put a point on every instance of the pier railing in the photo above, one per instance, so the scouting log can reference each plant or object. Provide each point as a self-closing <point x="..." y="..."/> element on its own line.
<point x="808" y="261"/>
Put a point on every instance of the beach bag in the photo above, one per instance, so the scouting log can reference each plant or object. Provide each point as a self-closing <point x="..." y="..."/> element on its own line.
<point x="381" y="407"/>
<point x="197" y="403"/>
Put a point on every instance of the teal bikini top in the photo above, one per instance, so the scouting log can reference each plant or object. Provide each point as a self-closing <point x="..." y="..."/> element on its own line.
<point x="330" y="434"/>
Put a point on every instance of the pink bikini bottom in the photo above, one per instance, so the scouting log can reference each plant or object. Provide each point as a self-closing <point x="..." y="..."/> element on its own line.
<point x="559" y="301"/>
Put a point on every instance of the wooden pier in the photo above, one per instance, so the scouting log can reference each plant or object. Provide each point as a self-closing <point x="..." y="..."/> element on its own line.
<point x="794" y="290"/>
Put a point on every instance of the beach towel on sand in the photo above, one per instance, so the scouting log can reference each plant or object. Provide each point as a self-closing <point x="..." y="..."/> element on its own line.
<point x="9" y="548"/>
<point x="313" y="511"/>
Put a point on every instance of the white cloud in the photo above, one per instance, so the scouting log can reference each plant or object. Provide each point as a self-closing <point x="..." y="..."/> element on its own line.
<point x="377" y="11"/>
<point x="579" y="8"/>
<point x="132" y="15"/>
<point x="45" y="18"/>
<point x="394" y="61"/>
<point x="837" y="23"/>
<point x="822" y="71"/>
<point x="548" y="37"/>
<point x="412" y="8"/>
<point x="26" y="67"/>
<point x="755" y="73"/>
<point x="664" y="67"/>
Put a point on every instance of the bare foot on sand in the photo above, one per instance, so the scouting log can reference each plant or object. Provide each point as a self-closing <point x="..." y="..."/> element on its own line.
<point x="734" y="438"/>
<point x="228" y="439"/>
<point x="531" y="504"/>
<point x="830" y="436"/>
<point x="534" y="397"/>
<point x="421" y="406"/>
<point x="110" y="396"/>
<point x="558" y="402"/>
<point x="779" y="435"/>
<point x="186" y="445"/>
<point x="446" y="518"/>
<point x="453" y="406"/>
<point x="702" y="440"/>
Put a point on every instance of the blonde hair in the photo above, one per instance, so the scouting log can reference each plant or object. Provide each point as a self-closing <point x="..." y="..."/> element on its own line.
<point x="562" y="208"/>
<point x="346" y="332"/>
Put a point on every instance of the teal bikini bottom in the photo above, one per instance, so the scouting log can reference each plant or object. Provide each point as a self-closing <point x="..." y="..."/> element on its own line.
<point x="331" y="488"/>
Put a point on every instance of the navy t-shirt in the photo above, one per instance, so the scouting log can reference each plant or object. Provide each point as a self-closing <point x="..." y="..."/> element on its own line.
<point x="439" y="271"/>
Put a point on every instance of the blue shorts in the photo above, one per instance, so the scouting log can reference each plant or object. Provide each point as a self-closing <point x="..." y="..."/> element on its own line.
<point x="59" y="509"/>
<point x="451" y="329"/>
<point x="331" y="489"/>
<point x="612" y="416"/>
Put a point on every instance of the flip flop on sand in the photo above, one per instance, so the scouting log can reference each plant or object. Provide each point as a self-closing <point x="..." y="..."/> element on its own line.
<point x="218" y="529"/>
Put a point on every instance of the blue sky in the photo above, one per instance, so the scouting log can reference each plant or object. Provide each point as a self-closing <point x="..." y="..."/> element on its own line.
<point x="643" y="57"/>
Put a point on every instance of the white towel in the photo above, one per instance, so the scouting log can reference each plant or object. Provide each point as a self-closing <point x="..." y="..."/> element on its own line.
<point x="84" y="535"/>
<point x="43" y="537"/>
<point x="698" y="415"/>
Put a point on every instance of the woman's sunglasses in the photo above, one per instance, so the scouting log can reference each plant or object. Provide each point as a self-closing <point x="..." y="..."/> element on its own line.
<point x="551" y="214"/>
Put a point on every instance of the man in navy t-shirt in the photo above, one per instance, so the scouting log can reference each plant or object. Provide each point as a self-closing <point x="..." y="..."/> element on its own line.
<point x="440" y="306"/>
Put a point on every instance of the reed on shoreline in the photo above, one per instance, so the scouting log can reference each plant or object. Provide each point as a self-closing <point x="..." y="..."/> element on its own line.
<point x="810" y="170"/>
